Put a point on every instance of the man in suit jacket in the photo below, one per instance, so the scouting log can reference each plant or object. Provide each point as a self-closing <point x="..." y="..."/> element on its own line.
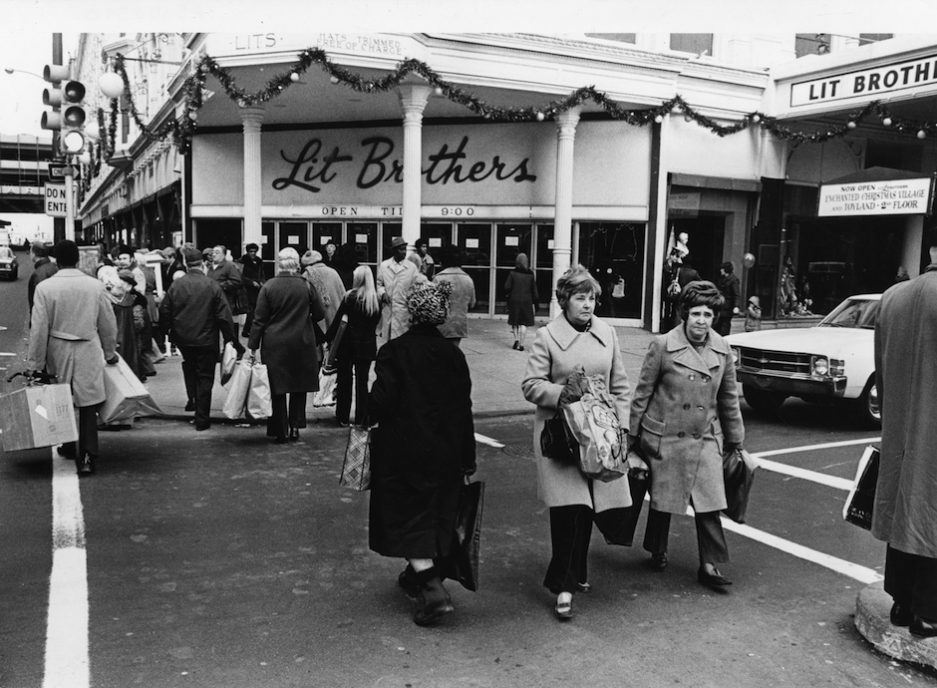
<point x="72" y="333"/>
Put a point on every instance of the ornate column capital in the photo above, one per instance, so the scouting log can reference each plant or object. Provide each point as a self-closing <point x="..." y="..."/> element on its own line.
<point x="252" y="116"/>
<point x="413" y="99"/>
<point x="566" y="122"/>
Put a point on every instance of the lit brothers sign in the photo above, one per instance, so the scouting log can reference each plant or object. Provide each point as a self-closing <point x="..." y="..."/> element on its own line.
<point x="896" y="197"/>
<point x="867" y="82"/>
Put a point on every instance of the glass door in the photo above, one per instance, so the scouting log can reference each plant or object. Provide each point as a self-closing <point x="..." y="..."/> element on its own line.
<point x="474" y="241"/>
<point x="543" y="268"/>
<point x="295" y="234"/>
<point x="437" y="235"/>
<point x="364" y="237"/>
<point x="510" y="240"/>
<point x="324" y="233"/>
<point x="614" y="254"/>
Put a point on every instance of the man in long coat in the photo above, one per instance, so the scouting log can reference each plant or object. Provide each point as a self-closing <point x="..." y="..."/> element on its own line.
<point x="391" y="274"/>
<point x="905" y="510"/>
<point x="72" y="334"/>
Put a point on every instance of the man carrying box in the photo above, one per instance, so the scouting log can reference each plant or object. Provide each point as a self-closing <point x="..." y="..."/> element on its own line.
<point x="72" y="334"/>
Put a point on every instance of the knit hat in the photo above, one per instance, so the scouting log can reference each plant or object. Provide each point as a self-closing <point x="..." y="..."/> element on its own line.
<point x="754" y="300"/>
<point x="429" y="303"/>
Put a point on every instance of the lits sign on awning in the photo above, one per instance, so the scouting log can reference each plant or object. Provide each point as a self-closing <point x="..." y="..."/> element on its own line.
<point x="868" y="83"/>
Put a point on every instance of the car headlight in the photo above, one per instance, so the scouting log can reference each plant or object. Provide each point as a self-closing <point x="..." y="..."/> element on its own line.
<point x="736" y="354"/>
<point x="819" y="366"/>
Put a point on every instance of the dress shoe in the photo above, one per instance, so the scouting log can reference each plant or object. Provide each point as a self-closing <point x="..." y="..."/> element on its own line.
<point x="583" y="587"/>
<point x="515" y="344"/>
<point x="659" y="561"/>
<point x="85" y="465"/>
<point x="410" y="584"/>
<point x="294" y="434"/>
<point x="714" y="580"/>
<point x="202" y="426"/>
<point x="900" y="615"/>
<point x="563" y="609"/>
<point x="280" y="439"/>
<point x="433" y="600"/>
<point x="190" y="405"/>
<point x="923" y="629"/>
<point x="66" y="453"/>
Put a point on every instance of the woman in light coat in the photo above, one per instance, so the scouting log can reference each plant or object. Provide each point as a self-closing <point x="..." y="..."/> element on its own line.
<point x="574" y="344"/>
<point x="684" y="416"/>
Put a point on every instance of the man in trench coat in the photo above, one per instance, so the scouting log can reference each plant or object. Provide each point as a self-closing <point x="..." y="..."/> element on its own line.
<point x="905" y="509"/>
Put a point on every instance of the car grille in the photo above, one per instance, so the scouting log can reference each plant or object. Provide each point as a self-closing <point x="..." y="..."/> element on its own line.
<point x="774" y="361"/>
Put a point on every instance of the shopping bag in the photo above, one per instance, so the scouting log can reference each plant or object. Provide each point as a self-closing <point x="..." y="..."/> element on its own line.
<point x="228" y="359"/>
<point x="594" y="423"/>
<point x="858" y="506"/>
<point x="236" y="400"/>
<point x="37" y="416"/>
<point x="127" y="397"/>
<point x="259" y="398"/>
<point x="618" y="525"/>
<point x="356" y="467"/>
<point x="462" y="562"/>
<point x="738" y="472"/>
<point x="328" y="383"/>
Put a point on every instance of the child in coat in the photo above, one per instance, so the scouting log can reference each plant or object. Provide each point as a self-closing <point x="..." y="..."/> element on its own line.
<point x="753" y="315"/>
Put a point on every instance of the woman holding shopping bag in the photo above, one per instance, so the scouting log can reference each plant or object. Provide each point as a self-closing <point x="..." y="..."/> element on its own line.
<point x="684" y="417"/>
<point x="572" y="346"/>
<point x="284" y="329"/>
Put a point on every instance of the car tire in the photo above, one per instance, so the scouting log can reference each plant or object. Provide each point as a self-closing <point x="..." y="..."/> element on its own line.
<point x="867" y="410"/>
<point x="761" y="401"/>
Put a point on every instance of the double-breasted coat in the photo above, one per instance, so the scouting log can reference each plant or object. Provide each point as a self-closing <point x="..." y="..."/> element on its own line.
<point x="423" y="445"/>
<point x="558" y="350"/>
<point x="392" y="280"/>
<point x="905" y="510"/>
<point x="287" y="309"/>
<point x="684" y="410"/>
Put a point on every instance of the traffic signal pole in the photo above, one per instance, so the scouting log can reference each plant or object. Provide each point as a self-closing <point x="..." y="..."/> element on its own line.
<point x="59" y="225"/>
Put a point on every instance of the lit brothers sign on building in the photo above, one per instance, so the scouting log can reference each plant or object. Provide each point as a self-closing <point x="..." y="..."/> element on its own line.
<point x="868" y="83"/>
<point x="895" y="197"/>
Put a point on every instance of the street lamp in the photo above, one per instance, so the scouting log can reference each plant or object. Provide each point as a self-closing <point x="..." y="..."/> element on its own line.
<point x="10" y="70"/>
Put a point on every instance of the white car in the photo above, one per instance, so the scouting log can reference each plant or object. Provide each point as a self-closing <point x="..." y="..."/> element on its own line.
<point x="833" y="361"/>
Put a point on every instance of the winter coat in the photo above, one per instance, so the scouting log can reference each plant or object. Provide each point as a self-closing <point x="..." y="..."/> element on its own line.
<point x="905" y="510"/>
<point x="194" y="310"/>
<point x="227" y="275"/>
<point x="461" y="301"/>
<point x="359" y="342"/>
<point x="73" y="332"/>
<point x="520" y="289"/>
<point x="685" y="409"/>
<point x="287" y="309"/>
<point x="558" y="349"/>
<point x="393" y="277"/>
<point x="423" y="445"/>
<point x="330" y="288"/>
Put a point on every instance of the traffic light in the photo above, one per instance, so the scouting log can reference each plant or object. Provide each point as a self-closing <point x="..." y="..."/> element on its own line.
<point x="52" y="96"/>
<point x="68" y="113"/>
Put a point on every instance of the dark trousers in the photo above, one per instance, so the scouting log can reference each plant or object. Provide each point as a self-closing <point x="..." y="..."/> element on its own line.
<point x="710" y="537"/>
<point x="198" y="371"/>
<point x="252" y="293"/>
<point x="570" y="532"/>
<point x="87" y="433"/>
<point x="286" y="416"/>
<point x="360" y="370"/>
<point x="911" y="580"/>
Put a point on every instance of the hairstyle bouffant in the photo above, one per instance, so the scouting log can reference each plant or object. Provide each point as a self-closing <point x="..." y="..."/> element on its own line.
<point x="700" y="293"/>
<point x="574" y="281"/>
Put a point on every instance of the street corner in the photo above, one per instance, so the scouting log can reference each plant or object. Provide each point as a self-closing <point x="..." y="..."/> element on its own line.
<point x="873" y="606"/>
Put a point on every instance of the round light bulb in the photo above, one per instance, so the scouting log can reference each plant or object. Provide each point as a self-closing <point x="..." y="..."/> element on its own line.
<point x="921" y="134"/>
<point x="850" y="124"/>
<point x="887" y="121"/>
<point x="111" y="85"/>
<point x="659" y="119"/>
<point x="334" y="79"/>
<point x="756" y="118"/>
<point x="93" y="131"/>
<point x="540" y="116"/>
<point x="294" y="77"/>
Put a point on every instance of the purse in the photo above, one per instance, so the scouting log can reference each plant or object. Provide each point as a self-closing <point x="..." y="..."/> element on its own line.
<point x="461" y="564"/>
<point x="738" y="472"/>
<point x="356" y="467"/>
<point x="858" y="507"/>
<point x="557" y="441"/>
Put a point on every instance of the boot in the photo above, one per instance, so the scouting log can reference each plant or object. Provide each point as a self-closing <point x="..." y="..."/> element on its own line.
<point x="433" y="601"/>
<point x="85" y="465"/>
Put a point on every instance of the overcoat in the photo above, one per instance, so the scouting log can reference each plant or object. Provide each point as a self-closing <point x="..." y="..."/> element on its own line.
<point x="461" y="301"/>
<point x="558" y="349"/>
<point x="685" y="408"/>
<point x="72" y="332"/>
<point x="423" y="445"/>
<point x="905" y="510"/>
<point x="520" y="289"/>
<point x="394" y="278"/>
<point x="330" y="288"/>
<point x="287" y="308"/>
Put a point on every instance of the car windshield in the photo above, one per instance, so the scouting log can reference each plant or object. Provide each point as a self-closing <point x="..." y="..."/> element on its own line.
<point x="5" y="252"/>
<point x="857" y="313"/>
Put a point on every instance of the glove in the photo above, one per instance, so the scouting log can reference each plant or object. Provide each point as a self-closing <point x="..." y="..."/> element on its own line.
<point x="730" y="448"/>
<point x="576" y="386"/>
<point x="113" y="360"/>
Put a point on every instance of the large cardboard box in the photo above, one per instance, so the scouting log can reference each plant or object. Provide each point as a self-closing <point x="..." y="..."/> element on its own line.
<point x="37" y="416"/>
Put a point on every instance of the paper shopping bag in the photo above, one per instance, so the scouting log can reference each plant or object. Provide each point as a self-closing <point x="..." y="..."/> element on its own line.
<point x="259" y="398"/>
<point x="356" y="468"/>
<point x="325" y="396"/>
<point x="463" y="560"/>
<point x="127" y="397"/>
<point x="37" y="416"/>
<point x="228" y="359"/>
<point x="858" y="507"/>
<point x="236" y="400"/>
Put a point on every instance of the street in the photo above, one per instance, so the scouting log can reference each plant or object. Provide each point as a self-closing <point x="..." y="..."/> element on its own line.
<point x="220" y="559"/>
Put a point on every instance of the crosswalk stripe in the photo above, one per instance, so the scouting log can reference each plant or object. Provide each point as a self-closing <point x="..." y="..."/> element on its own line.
<point x="804" y="474"/>
<point x="482" y="439"/>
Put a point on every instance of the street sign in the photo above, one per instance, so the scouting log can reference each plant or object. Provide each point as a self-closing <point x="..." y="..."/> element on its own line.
<point x="55" y="203"/>
<point x="58" y="170"/>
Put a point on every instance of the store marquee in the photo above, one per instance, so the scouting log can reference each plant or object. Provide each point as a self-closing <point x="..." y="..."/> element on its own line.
<point x="867" y="83"/>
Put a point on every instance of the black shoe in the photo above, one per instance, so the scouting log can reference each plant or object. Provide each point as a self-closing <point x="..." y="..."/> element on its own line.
<point x="410" y="584"/>
<point x="66" y="453"/>
<point x="923" y="629"/>
<point x="280" y="439"/>
<point x="714" y="580"/>
<point x="85" y="465"/>
<point x="294" y="434"/>
<point x="658" y="561"/>
<point x="515" y="344"/>
<point x="433" y="601"/>
<point x="190" y="405"/>
<point x="583" y="587"/>
<point x="202" y="426"/>
<point x="900" y="615"/>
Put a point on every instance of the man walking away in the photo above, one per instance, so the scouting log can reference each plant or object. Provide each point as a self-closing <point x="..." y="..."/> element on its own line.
<point x="73" y="332"/>
<point x="195" y="311"/>
<point x="903" y="514"/>
<point x="43" y="268"/>
<point x="729" y="288"/>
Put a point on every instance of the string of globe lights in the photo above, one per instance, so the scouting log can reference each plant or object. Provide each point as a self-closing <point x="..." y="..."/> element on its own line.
<point x="181" y="130"/>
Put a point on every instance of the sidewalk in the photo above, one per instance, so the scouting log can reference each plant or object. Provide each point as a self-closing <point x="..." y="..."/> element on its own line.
<point x="496" y="368"/>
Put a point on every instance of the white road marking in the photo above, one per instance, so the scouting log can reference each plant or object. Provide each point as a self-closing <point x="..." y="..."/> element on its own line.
<point x="6" y="353"/>
<point x="815" y="447"/>
<point x="804" y="474"/>
<point x="481" y="439"/>
<point x="66" y="657"/>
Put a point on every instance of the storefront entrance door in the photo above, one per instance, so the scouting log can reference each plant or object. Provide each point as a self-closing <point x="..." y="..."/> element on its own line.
<point x="474" y="240"/>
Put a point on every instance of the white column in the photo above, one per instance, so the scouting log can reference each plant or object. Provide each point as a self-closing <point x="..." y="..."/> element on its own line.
<point x="563" y="214"/>
<point x="413" y="99"/>
<point x="251" y="119"/>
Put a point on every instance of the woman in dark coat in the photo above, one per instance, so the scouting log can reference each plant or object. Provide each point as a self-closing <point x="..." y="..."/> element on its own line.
<point x="358" y="346"/>
<point x="287" y="308"/>
<point x="422" y="449"/>
<point x="520" y="288"/>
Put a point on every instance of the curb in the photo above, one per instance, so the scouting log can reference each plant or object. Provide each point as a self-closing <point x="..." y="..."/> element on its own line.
<point x="873" y="606"/>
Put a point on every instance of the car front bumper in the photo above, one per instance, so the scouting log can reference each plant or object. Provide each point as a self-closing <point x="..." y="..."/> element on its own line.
<point x="793" y="385"/>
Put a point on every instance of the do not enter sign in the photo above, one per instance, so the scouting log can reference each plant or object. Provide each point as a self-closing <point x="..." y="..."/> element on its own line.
<point x="55" y="201"/>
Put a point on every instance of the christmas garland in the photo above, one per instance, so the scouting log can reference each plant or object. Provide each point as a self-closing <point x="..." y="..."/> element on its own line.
<point x="181" y="130"/>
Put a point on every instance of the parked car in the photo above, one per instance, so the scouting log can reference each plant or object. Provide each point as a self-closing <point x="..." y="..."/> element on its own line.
<point x="9" y="265"/>
<point x="832" y="362"/>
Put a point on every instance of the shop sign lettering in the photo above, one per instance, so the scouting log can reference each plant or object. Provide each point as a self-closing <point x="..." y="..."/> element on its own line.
<point x="899" y="197"/>
<point x="869" y="83"/>
<point x="314" y="165"/>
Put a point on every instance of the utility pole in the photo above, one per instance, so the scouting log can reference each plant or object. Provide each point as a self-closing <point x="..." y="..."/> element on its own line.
<point x="61" y="226"/>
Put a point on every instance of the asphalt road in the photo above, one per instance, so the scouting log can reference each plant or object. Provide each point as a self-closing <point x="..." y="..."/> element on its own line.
<point x="219" y="560"/>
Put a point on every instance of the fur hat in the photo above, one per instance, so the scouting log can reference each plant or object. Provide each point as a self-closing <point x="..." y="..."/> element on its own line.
<point x="311" y="258"/>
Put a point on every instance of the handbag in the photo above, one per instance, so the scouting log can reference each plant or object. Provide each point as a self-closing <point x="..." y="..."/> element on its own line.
<point x="461" y="564"/>
<point x="618" y="525"/>
<point x="557" y="441"/>
<point x="858" y="507"/>
<point x="259" y="397"/>
<point x="356" y="467"/>
<point x="738" y="472"/>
